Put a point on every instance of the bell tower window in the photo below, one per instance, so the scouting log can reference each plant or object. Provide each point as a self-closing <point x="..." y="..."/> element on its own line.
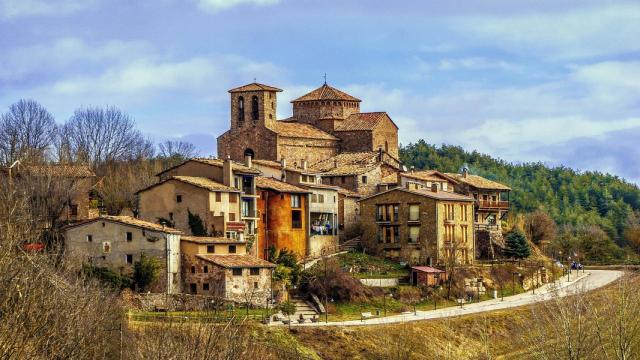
<point x="241" y="108"/>
<point x="254" y="107"/>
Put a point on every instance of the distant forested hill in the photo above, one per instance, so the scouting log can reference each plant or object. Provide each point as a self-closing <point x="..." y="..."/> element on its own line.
<point x="570" y="197"/>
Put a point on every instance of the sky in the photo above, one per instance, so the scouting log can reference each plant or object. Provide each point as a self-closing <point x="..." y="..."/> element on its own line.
<point x="544" y="80"/>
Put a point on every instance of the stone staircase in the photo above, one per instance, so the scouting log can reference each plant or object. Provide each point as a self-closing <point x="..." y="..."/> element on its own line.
<point x="354" y="244"/>
<point x="303" y="308"/>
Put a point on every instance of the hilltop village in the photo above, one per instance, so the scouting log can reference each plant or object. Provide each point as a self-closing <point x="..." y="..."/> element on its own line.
<point x="327" y="179"/>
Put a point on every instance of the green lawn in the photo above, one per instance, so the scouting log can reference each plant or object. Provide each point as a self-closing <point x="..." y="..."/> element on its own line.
<point x="366" y="266"/>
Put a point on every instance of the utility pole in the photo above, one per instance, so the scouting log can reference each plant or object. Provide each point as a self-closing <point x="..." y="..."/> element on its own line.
<point x="326" y="295"/>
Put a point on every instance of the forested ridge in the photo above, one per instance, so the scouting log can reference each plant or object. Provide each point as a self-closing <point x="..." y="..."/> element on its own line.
<point x="572" y="198"/>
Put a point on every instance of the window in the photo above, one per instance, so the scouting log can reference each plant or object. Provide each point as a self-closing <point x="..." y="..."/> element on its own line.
<point x="236" y="183"/>
<point x="205" y="269"/>
<point x="464" y="233"/>
<point x="321" y="198"/>
<point x="193" y="288"/>
<point x="205" y="287"/>
<point x="129" y="236"/>
<point x="211" y="249"/>
<point x="254" y="271"/>
<point x="331" y="180"/>
<point x="237" y="272"/>
<point x="396" y="212"/>
<point x="449" y="212"/>
<point x="463" y="212"/>
<point x="89" y="238"/>
<point x="343" y="179"/>
<point x="364" y="179"/>
<point x="179" y="198"/>
<point x="255" y="284"/>
<point x="129" y="259"/>
<point x="171" y="216"/>
<point x="193" y="269"/>
<point x="396" y="233"/>
<point x="233" y="198"/>
<point x="314" y="198"/>
<point x="232" y="249"/>
<point x="218" y="197"/>
<point x="414" y="234"/>
<point x="414" y="212"/>
<point x="254" y="108"/>
<point x="380" y="212"/>
<point x="232" y="217"/>
<point x="295" y="201"/>
<point x="241" y="108"/>
<point x="74" y="209"/>
<point x="296" y="219"/>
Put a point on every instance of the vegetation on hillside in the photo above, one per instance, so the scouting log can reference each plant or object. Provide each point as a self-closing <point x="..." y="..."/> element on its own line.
<point x="577" y="201"/>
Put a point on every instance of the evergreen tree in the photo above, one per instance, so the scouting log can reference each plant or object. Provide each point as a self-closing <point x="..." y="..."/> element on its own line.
<point x="196" y="225"/>
<point x="517" y="245"/>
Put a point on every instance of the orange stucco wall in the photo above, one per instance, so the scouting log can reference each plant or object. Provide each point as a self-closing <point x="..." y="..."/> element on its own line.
<point x="275" y="225"/>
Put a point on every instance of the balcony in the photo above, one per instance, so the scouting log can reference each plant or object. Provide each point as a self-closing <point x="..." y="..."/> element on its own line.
<point x="492" y="205"/>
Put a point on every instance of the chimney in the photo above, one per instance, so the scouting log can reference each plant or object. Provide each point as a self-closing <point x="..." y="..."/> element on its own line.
<point x="283" y="162"/>
<point x="227" y="172"/>
<point x="465" y="172"/>
<point x="304" y="164"/>
<point x="247" y="160"/>
<point x="434" y="187"/>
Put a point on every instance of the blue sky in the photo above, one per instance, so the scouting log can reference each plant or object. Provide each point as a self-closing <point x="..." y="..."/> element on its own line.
<point x="553" y="81"/>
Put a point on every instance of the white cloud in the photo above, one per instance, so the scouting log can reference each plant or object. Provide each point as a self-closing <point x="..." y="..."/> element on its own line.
<point x="10" y="9"/>
<point x="64" y="53"/>
<point x="219" y="5"/>
<point x="474" y="63"/>
<point x="577" y="33"/>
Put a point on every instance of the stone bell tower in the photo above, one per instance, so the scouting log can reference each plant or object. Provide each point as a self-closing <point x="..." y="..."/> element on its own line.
<point x="253" y="105"/>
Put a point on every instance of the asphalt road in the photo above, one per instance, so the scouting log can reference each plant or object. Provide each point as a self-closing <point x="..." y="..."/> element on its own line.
<point x="590" y="280"/>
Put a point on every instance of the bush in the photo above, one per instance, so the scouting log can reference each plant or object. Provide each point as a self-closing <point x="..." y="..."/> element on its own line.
<point x="107" y="276"/>
<point x="335" y="283"/>
<point x="145" y="272"/>
<point x="288" y="269"/>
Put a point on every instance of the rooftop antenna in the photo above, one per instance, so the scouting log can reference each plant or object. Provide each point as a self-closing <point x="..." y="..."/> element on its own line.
<point x="325" y="78"/>
<point x="254" y="80"/>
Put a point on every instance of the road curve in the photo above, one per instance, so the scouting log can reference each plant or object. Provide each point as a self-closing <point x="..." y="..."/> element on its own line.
<point x="590" y="280"/>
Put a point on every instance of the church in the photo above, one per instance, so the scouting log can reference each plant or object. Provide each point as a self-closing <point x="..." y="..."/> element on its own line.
<point x="325" y="123"/>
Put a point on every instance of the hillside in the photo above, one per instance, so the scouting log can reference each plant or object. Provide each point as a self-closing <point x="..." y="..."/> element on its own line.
<point x="570" y="197"/>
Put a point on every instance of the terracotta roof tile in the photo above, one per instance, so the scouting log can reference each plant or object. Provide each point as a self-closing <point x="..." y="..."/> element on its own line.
<point x="347" y="164"/>
<point x="362" y="121"/>
<point x="210" y="240"/>
<point x="255" y="87"/>
<point x="427" y="269"/>
<point x="239" y="167"/>
<point x="349" y="193"/>
<point x="237" y="261"/>
<point x="201" y="182"/>
<point x="277" y="165"/>
<point x="326" y="92"/>
<point x="299" y="130"/>
<point x="277" y="185"/>
<point x="429" y="175"/>
<point x="440" y="195"/>
<point x="479" y="182"/>
<point x="128" y="220"/>
<point x="390" y="179"/>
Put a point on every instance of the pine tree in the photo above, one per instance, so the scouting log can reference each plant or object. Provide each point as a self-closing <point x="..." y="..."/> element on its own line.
<point x="517" y="246"/>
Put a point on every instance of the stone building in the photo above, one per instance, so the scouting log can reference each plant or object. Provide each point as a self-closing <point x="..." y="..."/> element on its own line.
<point x="221" y="267"/>
<point x="325" y="122"/>
<point x="284" y="217"/>
<point x="421" y="179"/>
<point x="348" y="214"/>
<point x="221" y="192"/>
<point x="117" y="242"/>
<point x="421" y="227"/>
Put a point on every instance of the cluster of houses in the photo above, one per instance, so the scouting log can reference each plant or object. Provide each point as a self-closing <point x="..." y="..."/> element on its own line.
<point x="327" y="175"/>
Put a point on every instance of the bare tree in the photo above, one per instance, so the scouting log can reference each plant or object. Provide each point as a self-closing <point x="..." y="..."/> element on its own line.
<point x="174" y="152"/>
<point x="27" y="133"/>
<point x="99" y="135"/>
<point x="539" y="227"/>
<point x="121" y="180"/>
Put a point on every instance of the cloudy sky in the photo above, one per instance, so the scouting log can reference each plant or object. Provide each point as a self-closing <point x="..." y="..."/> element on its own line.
<point x="544" y="80"/>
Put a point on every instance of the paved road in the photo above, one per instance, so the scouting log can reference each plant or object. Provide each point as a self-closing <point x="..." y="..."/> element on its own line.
<point x="590" y="280"/>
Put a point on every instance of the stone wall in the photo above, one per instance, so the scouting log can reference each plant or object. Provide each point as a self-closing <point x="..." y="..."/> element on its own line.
<point x="294" y="150"/>
<point x="262" y="141"/>
<point x="310" y="111"/>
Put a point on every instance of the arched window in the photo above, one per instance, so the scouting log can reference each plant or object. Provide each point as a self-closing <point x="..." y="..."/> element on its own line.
<point x="249" y="152"/>
<point x="241" y="108"/>
<point x="254" y="107"/>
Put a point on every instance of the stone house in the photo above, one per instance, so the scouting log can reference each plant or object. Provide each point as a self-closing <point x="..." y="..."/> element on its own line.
<point x="421" y="179"/>
<point x="348" y="214"/>
<point x="427" y="275"/>
<point x="226" y="200"/>
<point x="221" y="267"/>
<point x="117" y="242"/>
<point x="284" y="217"/>
<point x="325" y="122"/>
<point x="359" y="172"/>
<point x="421" y="227"/>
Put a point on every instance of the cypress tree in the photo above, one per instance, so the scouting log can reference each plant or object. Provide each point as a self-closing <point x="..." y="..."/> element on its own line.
<point x="517" y="245"/>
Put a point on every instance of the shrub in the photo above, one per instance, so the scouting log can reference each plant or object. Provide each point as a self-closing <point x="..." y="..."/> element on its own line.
<point x="334" y="283"/>
<point x="145" y="272"/>
<point x="107" y="276"/>
<point x="196" y="225"/>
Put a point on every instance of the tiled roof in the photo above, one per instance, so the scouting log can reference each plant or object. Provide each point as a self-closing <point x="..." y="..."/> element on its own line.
<point x="479" y="182"/>
<point x="347" y="164"/>
<point x="299" y="130"/>
<point x="363" y="121"/>
<point x="277" y="185"/>
<point x="348" y="193"/>
<point x="237" y="261"/>
<point x="320" y="186"/>
<point x="71" y="171"/>
<point x="429" y="175"/>
<point x="326" y="92"/>
<point x="390" y="179"/>
<point x="255" y="87"/>
<point x="278" y="165"/>
<point x="439" y="195"/>
<point x="210" y="240"/>
<point x="200" y="182"/>
<point x="427" y="269"/>
<point x="240" y="167"/>
<point x="128" y="220"/>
